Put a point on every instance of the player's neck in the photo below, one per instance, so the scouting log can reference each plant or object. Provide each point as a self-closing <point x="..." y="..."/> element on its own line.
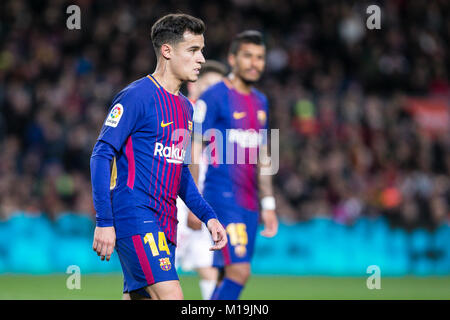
<point x="167" y="80"/>
<point x="239" y="85"/>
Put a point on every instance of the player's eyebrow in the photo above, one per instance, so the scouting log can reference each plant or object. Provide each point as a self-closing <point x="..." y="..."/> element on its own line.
<point x="251" y="53"/>
<point x="195" y="47"/>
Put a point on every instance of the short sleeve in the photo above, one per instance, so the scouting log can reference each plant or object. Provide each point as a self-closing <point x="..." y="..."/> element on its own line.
<point x="122" y="119"/>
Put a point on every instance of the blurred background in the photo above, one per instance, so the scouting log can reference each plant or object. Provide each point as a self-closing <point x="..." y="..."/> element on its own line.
<point x="364" y="118"/>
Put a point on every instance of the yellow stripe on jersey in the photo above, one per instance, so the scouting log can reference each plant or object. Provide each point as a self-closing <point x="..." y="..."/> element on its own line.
<point x="153" y="81"/>
<point x="112" y="184"/>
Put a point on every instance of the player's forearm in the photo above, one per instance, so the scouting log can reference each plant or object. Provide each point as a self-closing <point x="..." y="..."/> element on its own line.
<point x="100" y="179"/>
<point x="265" y="188"/>
<point x="193" y="199"/>
<point x="265" y="185"/>
<point x="264" y="181"/>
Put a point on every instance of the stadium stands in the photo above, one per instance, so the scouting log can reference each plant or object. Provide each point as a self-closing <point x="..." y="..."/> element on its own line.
<point x="354" y="148"/>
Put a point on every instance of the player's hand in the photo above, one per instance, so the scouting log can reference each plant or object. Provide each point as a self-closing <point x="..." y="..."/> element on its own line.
<point x="218" y="234"/>
<point x="104" y="242"/>
<point x="270" y="220"/>
<point x="193" y="222"/>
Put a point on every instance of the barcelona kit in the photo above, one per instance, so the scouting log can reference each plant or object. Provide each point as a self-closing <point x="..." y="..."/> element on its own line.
<point x="233" y="126"/>
<point x="146" y="137"/>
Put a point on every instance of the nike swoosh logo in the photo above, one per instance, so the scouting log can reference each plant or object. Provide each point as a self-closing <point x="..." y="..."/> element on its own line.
<point x="239" y="115"/>
<point x="163" y="125"/>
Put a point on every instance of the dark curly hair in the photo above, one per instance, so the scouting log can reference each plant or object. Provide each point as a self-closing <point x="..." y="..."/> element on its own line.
<point x="248" y="36"/>
<point x="171" y="27"/>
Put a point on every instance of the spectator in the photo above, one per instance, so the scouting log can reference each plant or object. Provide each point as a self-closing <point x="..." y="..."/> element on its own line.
<point x="348" y="144"/>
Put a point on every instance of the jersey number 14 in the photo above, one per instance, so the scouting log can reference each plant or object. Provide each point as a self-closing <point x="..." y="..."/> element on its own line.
<point x="162" y="243"/>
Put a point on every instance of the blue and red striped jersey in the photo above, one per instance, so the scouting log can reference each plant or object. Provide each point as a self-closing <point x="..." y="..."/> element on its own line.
<point x="233" y="121"/>
<point x="150" y="130"/>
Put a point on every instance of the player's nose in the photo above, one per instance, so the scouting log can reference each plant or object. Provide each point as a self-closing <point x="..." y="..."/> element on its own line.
<point x="201" y="58"/>
<point x="255" y="63"/>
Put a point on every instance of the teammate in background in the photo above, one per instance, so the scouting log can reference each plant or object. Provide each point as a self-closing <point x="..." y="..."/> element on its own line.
<point x="145" y="137"/>
<point x="237" y="111"/>
<point x="193" y="239"/>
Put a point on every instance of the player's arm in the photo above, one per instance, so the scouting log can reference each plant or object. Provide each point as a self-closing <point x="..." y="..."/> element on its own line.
<point x="192" y="221"/>
<point x="194" y="201"/>
<point x="268" y="214"/>
<point x="127" y="108"/>
<point x="104" y="234"/>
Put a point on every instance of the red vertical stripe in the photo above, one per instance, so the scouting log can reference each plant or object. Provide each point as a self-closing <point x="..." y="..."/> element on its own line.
<point x="186" y="117"/>
<point x="184" y="144"/>
<point x="226" y="254"/>
<point x="173" y="178"/>
<point x="168" y="182"/>
<point x="167" y="133"/>
<point x="181" y="118"/>
<point x="143" y="260"/>
<point x="246" y="189"/>
<point x="251" y="172"/>
<point x="168" y="172"/>
<point x="176" y="125"/>
<point x="131" y="164"/>
<point x="226" y="251"/>
<point x="157" y="182"/>
<point x="153" y="158"/>
<point x="160" y="182"/>
<point x="253" y="168"/>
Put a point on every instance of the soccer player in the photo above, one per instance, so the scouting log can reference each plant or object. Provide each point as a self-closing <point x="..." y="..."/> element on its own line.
<point x="145" y="137"/>
<point x="193" y="239"/>
<point x="231" y="114"/>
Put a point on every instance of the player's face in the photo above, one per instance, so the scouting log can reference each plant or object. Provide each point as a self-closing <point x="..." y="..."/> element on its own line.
<point x="187" y="57"/>
<point x="249" y="62"/>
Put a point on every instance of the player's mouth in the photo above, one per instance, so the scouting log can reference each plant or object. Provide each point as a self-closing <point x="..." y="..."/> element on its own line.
<point x="197" y="70"/>
<point x="253" y="72"/>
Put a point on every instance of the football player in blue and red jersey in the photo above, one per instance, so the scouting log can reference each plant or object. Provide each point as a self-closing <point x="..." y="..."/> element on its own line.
<point x="232" y="115"/>
<point x="138" y="167"/>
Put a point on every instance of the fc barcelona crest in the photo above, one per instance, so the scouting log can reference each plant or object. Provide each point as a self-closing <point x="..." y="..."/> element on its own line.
<point x="240" y="250"/>
<point x="190" y="125"/>
<point x="165" y="264"/>
<point x="262" y="117"/>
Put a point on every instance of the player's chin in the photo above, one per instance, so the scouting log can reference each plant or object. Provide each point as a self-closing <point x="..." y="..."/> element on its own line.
<point x="251" y="78"/>
<point x="192" y="78"/>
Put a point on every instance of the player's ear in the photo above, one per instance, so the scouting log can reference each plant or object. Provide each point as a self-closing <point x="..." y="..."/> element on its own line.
<point x="166" y="51"/>
<point x="231" y="60"/>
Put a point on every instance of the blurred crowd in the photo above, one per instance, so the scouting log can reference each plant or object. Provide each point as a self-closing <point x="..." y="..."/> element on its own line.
<point x="338" y="92"/>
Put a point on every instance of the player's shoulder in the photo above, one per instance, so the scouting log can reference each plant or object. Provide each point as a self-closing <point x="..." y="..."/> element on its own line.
<point x="259" y="95"/>
<point x="218" y="87"/>
<point x="140" y="90"/>
<point x="215" y="91"/>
